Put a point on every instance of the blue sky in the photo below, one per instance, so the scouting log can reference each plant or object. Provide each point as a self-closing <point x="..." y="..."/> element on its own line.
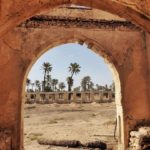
<point x="60" y="57"/>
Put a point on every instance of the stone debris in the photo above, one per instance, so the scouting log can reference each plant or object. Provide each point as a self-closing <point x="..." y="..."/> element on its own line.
<point x="73" y="143"/>
<point x="140" y="140"/>
<point x="63" y="143"/>
<point x="96" y="144"/>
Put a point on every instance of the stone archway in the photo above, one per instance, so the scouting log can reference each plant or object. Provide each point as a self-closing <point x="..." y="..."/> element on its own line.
<point x="99" y="50"/>
<point x="29" y="43"/>
<point x="24" y="10"/>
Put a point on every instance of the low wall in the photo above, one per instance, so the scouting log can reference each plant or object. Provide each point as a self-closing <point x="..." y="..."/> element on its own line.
<point x="77" y="97"/>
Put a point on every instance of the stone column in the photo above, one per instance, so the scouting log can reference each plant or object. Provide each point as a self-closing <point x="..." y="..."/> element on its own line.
<point x="92" y="96"/>
<point x="110" y="96"/>
<point x="100" y="96"/>
<point x="37" y="96"/>
<point x="74" y="97"/>
<point x="56" y="97"/>
<point x="47" y="96"/>
<point x="83" y="97"/>
<point x="65" y="97"/>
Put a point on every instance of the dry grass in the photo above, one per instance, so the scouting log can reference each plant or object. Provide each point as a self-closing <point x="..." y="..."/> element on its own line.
<point x="68" y="122"/>
<point x="34" y="136"/>
<point x="110" y="122"/>
<point x="52" y="122"/>
<point x="30" y="107"/>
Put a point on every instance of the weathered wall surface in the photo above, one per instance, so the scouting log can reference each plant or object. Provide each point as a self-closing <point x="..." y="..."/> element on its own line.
<point x="19" y="47"/>
<point x="76" y="97"/>
<point x="87" y="13"/>
<point x="147" y="36"/>
<point x="140" y="5"/>
<point x="14" y="12"/>
<point x="125" y="48"/>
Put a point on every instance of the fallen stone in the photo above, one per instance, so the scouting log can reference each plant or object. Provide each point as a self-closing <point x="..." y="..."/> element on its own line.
<point x="96" y="144"/>
<point x="73" y="144"/>
<point x="63" y="143"/>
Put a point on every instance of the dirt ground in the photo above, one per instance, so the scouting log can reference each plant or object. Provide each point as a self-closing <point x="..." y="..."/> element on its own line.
<point x="86" y="122"/>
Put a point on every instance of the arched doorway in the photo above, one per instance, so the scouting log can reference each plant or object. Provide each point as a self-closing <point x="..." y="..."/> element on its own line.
<point x="98" y="49"/>
<point x="129" y="73"/>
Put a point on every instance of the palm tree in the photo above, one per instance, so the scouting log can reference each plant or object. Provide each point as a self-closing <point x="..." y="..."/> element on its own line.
<point x="83" y="84"/>
<point x="91" y="86"/>
<point x="70" y="83"/>
<point x="74" y="68"/>
<point x="54" y="84"/>
<point x="86" y="83"/>
<point x="99" y="87"/>
<point x="38" y="85"/>
<point x="61" y="85"/>
<point x="48" y="83"/>
<point x="77" y="89"/>
<point x="46" y="67"/>
<point x="28" y="83"/>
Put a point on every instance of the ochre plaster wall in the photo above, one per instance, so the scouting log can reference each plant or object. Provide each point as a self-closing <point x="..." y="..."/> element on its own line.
<point x="21" y="47"/>
<point x="147" y="36"/>
<point x="86" y="13"/>
<point x="14" y="12"/>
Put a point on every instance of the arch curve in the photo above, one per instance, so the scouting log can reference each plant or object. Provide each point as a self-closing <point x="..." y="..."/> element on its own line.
<point x="99" y="50"/>
<point x="22" y="11"/>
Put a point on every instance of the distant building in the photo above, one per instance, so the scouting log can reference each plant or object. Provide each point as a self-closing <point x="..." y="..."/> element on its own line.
<point x="77" y="97"/>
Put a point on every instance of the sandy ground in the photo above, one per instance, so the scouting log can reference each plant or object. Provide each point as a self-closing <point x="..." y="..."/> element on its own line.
<point x="86" y="122"/>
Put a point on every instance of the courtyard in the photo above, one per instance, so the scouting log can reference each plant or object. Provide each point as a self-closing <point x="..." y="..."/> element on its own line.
<point x="83" y="122"/>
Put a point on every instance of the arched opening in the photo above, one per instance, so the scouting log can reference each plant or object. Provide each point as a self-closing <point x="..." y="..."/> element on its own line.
<point x="133" y="14"/>
<point x="100" y="51"/>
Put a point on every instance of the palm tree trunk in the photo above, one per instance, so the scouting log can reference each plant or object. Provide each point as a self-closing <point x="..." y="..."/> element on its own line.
<point x="69" y="95"/>
<point x="72" y="75"/>
<point x="44" y="81"/>
<point x="69" y="89"/>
